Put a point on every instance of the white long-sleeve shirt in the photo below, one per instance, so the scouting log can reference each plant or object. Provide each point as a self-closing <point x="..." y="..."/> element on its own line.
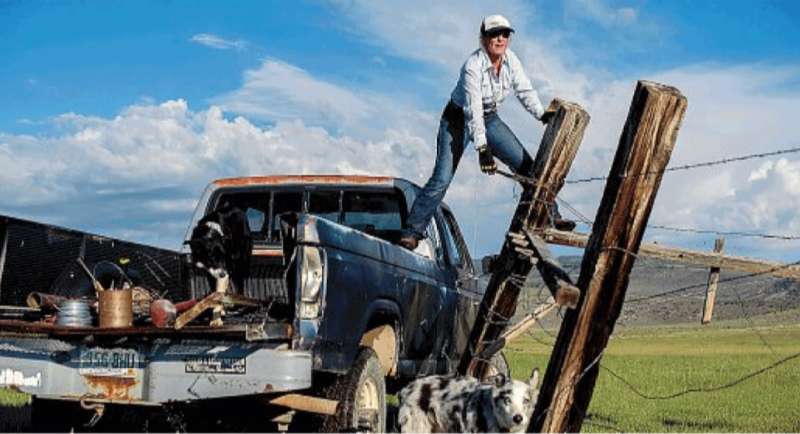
<point x="480" y="89"/>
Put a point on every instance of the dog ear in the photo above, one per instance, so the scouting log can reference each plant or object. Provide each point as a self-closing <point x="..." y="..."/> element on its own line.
<point x="499" y="380"/>
<point x="534" y="380"/>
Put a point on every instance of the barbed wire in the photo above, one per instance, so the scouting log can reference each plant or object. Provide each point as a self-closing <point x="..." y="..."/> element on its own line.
<point x="583" y="219"/>
<point x="750" y="320"/>
<point x="703" y="285"/>
<point x="691" y="165"/>
<point x="701" y="389"/>
<point x="726" y="233"/>
<point x="533" y="182"/>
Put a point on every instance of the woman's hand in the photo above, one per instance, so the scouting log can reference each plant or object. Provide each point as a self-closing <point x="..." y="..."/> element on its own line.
<point x="486" y="160"/>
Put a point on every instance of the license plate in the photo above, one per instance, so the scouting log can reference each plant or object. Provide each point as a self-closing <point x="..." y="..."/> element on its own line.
<point x="116" y="362"/>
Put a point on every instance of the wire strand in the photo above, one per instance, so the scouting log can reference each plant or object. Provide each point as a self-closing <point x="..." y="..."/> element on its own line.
<point x="691" y="165"/>
<point x="701" y="389"/>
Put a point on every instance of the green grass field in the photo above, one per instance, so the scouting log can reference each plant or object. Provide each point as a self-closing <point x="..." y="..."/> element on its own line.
<point x="662" y="361"/>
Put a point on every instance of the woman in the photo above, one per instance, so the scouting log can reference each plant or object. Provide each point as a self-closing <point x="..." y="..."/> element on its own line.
<point x="486" y="78"/>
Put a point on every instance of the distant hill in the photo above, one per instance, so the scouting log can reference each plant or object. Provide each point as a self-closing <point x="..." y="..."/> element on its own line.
<point x="741" y="298"/>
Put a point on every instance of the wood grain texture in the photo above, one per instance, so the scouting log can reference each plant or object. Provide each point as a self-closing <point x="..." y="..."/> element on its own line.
<point x="685" y="256"/>
<point x="711" y="289"/>
<point x="645" y="147"/>
<point x="554" y="158"/>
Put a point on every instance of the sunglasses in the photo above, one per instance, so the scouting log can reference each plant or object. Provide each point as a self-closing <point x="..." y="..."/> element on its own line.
<point x="491" y="34"/>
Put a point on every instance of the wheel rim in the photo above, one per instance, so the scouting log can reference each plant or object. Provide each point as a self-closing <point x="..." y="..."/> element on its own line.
<point x="367" y="405"/>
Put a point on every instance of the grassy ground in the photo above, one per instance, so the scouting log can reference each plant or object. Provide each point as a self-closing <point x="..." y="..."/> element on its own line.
<point x="659" y="362"/>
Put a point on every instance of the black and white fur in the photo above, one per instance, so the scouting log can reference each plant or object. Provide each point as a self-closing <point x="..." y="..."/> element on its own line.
<point x="463" y="404"/>
<point x="222" y="245"/>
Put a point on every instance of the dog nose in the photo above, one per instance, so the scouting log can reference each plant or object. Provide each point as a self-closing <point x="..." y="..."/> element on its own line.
<point x="517" y="418"/>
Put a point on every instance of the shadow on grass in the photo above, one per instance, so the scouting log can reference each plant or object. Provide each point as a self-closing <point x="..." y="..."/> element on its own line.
<point x="602" y="421"/>
<point x="697" y="425"/>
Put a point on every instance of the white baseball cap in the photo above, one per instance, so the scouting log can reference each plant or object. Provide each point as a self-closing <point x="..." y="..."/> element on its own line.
<point x="495" y="22"/>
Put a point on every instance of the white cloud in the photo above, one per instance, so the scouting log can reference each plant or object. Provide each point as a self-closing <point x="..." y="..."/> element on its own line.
<point x="149" y="163"/>
<point x="219" y="43"/>
<point x="600" y="12"/>
<point x="279" y="91"/>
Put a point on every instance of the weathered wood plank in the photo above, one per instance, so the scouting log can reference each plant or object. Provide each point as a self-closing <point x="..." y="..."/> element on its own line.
<point x="644" y="148"/>
<point x="529" y="320"/>
<point x="554" y="158"/>
<point x="704" y="259"/>
<point x="713" y="280"/>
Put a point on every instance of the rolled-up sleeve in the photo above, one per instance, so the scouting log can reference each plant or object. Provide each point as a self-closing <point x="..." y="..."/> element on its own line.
<point x="473" y="109"/>
<point x="525" y="92"/>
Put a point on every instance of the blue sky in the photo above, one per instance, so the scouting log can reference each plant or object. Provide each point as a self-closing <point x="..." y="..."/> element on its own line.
<point x="161" y="97"/>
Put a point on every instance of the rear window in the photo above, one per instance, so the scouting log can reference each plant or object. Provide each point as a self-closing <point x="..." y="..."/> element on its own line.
<point x="378" y="213"/>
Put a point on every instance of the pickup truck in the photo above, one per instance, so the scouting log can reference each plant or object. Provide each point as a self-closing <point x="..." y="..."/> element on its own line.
<point x="349" y="314"/>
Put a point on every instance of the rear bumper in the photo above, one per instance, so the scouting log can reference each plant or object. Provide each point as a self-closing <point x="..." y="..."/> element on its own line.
<point x="152" y="373"/>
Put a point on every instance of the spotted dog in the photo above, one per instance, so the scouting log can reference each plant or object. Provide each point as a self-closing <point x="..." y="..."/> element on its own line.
<point x="463" y="404"/>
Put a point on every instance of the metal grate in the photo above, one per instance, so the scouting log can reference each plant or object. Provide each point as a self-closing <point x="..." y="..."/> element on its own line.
<point x="39" y="257"/>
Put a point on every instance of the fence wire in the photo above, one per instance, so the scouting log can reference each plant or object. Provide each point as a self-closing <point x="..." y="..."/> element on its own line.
<point x="739" y="300"/>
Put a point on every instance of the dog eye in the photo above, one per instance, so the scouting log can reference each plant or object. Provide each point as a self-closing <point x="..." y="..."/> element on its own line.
<point x="526" y="402"/>
<point x="507" y="401"/>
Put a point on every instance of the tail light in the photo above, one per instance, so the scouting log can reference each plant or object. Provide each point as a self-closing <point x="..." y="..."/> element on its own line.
<point x="312" y="281"/>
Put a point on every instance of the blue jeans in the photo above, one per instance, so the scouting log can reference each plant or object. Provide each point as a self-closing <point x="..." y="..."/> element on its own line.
<point x="450" y="144"/>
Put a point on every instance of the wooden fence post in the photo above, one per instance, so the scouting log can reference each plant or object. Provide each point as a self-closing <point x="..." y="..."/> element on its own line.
<point x="556" y="152"/>
<point x="644" y="150"/>
<point x="713" y="280"/>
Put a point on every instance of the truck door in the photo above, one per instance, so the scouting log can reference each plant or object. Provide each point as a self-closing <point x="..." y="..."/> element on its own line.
<point x="467" y="294"/>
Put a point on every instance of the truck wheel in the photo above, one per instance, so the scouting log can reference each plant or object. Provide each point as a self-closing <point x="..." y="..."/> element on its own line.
<point x="362" y="397"/>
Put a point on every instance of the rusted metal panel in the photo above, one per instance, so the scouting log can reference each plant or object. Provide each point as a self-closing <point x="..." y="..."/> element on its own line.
<point x="267" y="252"/>
<point x="113" y="388"/>
<point x="304" y="179"/>
<point x="274" y="331"/>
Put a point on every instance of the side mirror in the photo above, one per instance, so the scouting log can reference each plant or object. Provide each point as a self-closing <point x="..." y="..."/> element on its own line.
<point x="488" y="263"/>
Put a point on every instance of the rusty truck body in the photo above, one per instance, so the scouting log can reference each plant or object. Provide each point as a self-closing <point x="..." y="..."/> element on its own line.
<point x="349" y="311"/>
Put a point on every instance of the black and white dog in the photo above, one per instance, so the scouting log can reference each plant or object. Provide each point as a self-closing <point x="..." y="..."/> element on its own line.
<point x="463" y="404"/>
<point x="221" y="244"/>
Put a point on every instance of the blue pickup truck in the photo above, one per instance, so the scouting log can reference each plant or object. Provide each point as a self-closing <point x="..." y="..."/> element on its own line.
<point x="349" y="314"/>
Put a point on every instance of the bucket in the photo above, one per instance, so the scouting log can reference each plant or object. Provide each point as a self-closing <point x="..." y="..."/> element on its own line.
<point x="115" y="307"/>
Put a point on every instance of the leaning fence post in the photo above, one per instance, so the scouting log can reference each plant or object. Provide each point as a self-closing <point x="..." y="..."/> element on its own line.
<point x="711" y="289"/>
<point x="644" y="150"/>
<point x="553" y="160"/>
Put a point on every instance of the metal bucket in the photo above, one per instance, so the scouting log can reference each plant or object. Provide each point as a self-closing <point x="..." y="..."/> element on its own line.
<point x="115" y="307"/>
<point x="74" y="313"/>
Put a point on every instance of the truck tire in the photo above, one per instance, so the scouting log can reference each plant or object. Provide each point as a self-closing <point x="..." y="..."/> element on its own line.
<point x="362" y="397"/>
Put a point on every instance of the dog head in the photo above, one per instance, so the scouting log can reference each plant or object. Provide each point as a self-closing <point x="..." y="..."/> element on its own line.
<point x="514" y="400"/>
<point x="208" y="247"/>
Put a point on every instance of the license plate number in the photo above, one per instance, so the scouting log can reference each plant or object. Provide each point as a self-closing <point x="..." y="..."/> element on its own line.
<point x="109" y="362"/>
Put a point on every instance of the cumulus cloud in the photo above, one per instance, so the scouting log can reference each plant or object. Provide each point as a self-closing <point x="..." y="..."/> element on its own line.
<point x="150" y="162"/>
<point x="279" y="91"/>
<point x="218" y="42"/>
